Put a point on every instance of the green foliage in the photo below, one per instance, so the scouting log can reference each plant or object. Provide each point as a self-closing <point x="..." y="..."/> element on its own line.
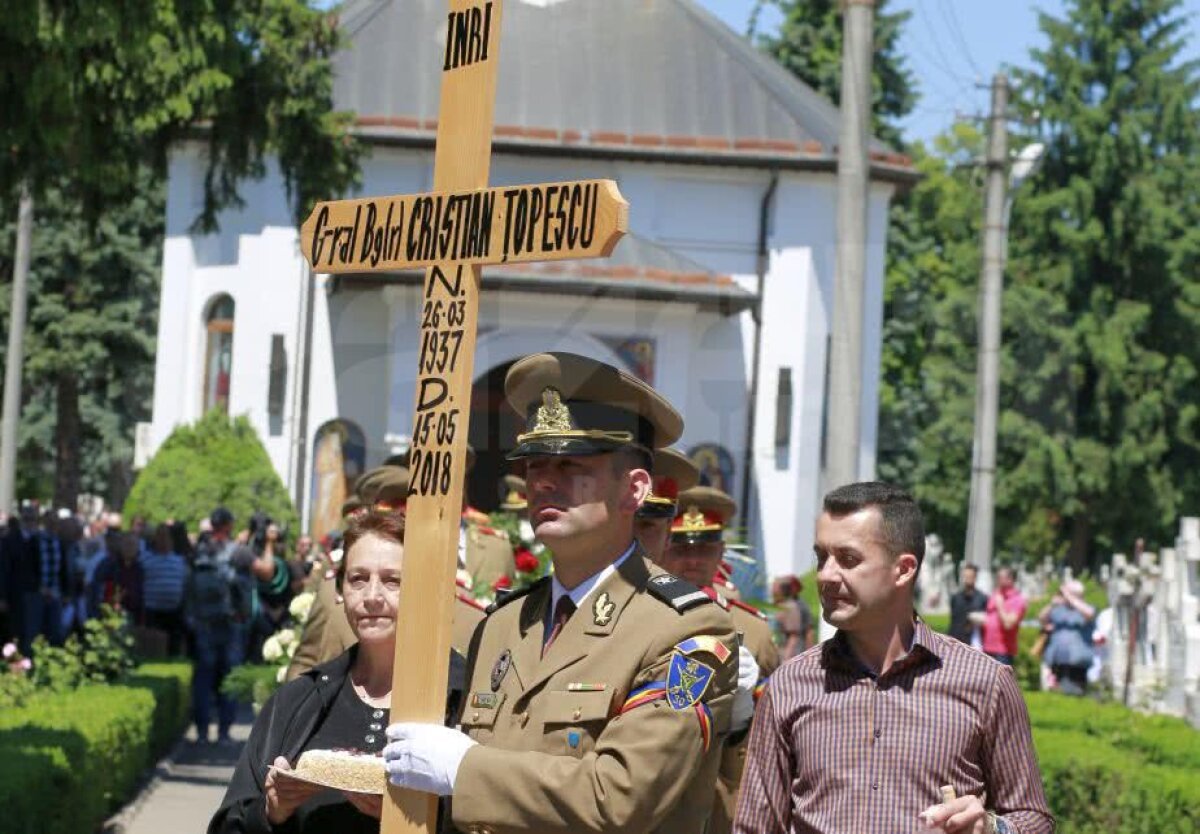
<point x="218" y="461"/>
<point x="1097" y="434"/>
<point x="97" y="90"/>
<point x="68" y="760"/>
<point x="102" y="654"/>
<point x="95" y="95"/>
<point x="252" y="683"/>
<point x="809" y="44"/>
<point x="89" y="347"/>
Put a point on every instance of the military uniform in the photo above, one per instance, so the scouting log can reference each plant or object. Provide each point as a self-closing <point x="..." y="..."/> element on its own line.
<point x="619" y="726"/>
<point x="705" y="513"/>
<point x="489" y="554"/>
<point x="584" y="739"/>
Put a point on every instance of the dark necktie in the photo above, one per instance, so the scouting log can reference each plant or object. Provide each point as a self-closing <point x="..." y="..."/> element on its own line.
<point x="563" y="610"/>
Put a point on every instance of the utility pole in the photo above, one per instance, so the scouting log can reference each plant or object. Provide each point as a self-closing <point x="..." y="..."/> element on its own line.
<point x="981" y="516"/>
<point x="846" y="357"/>
<point x="300" y="486"/>
<point x="16" y="352"/>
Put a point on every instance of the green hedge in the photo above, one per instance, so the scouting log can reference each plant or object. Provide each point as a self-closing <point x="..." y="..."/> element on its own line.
<point x="68" y="760"/>
<point x="1107" y="768"/>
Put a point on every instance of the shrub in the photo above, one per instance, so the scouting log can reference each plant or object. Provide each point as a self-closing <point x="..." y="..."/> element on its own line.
<point x="218" y="461"/>
<point x="102" y="654"/>
<point x="67" y="760"/>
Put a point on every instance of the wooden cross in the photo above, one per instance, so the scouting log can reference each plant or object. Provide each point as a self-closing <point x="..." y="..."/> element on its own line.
<point x="453" y="231"/>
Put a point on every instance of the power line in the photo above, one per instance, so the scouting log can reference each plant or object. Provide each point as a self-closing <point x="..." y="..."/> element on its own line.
<point x="956" y="33"/>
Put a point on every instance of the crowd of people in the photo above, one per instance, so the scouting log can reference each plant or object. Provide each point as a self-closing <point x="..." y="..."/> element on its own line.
<point x="1069" y="647"/>
<point x="214" y="593"/>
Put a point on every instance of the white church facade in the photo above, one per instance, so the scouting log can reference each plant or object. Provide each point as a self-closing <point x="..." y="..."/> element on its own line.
<point x="729" y="167"/>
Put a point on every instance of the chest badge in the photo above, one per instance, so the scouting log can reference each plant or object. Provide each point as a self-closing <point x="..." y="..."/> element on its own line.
<point x="602" y="610"/>
<point x="500" y="668"/>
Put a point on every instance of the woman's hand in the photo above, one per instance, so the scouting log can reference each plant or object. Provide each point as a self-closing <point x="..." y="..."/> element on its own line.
<point x="284" y="794"/>
<point x="370" y="804"/>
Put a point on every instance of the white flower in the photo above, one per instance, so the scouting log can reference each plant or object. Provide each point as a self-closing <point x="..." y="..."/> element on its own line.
<point x="281" y="674"/>
<point x="301" y="605"/>
<point x="272" y="650"/>
<point x="9" y="650"/>
<point x="286" y="637"/>
<point x="335" y="556"/>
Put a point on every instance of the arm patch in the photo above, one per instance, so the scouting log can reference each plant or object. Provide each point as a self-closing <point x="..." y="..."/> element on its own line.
<point x="675" y="592"/>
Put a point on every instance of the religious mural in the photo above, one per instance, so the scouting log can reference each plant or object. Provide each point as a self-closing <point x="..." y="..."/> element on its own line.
<point x="339" y="454"/>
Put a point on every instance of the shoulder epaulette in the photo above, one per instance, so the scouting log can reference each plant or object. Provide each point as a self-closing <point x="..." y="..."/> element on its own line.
<point x="716" y="597"/>
<point x="737" y="603"/>
<point x="675" y="592"/>
<point x="503" y="598"/>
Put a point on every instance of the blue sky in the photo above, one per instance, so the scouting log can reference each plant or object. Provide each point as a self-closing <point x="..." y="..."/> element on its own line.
<point x="953" y="44"/>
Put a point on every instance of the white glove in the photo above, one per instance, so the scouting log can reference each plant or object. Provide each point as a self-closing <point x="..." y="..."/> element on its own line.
<point x="425" y="757"/>
<point x="743" y="699"/>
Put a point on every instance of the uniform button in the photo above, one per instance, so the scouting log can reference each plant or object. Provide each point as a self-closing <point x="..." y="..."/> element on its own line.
<point x="878" y="733"/>
<point x="324" y="677"/>
<point x="474" y="716"/>
<point x="377" y="714"/>
<point x="370" y="739"/>
<point x="375" y="727"/>
<point x="578" y="714"/>
<point x="874" y="786"/>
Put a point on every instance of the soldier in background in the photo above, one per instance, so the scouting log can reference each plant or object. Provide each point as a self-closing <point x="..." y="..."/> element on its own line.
<point x="672" y="472"/>
<point x="694" y="553"/>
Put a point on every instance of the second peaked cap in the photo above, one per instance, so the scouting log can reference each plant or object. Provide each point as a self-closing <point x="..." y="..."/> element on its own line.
<point x="672" y="472"/>
<point x="575" y="405"/>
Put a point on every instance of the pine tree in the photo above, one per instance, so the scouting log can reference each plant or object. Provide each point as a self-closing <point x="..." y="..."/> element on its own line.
<point x="90" y="338"/>
<point x="1107" y="430"/>
<point x="95" y="95"/>
<point x="809" y="44"/>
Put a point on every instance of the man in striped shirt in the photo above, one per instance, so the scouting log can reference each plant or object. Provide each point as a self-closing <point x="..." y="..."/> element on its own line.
<point x="859" y="734"/>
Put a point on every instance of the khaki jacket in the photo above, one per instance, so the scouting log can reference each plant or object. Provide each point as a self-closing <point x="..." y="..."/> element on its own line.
<point x="756" y="636"/>
<point x="489" y="555"/>
<point x="556" y="753"/>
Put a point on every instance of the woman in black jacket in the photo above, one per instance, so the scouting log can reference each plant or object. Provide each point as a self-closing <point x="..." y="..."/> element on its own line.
<point x="342" y="704"/>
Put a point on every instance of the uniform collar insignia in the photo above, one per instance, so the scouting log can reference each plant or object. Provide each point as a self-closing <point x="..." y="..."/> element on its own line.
<point x="602" y="610"/>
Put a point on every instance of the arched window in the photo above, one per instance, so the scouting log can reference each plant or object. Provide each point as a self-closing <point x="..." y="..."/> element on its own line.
<point x="218" y="353"/>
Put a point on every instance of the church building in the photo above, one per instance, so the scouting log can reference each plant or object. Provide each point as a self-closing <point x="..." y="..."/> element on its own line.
<point x="720" y="296"/>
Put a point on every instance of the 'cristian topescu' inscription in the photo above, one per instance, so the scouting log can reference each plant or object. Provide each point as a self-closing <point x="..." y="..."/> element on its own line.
<point x="528" y="222"/>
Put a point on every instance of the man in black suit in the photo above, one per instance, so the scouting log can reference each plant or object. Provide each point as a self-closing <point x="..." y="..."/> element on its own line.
<point x="40" y="577"/>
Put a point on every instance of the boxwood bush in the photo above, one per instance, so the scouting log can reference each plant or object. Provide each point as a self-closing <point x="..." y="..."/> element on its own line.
<point x="68" y="760"/>
<point x="218" y="461"/>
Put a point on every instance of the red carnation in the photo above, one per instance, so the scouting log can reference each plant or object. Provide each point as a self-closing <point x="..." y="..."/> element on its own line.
<point x="526" y="561"/>
<point x="501" y="583"/>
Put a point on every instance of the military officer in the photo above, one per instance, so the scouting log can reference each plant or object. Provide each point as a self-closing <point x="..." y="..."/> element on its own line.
<point x="598" y="698"/>
<point x="671" y="473"/>
<point x="326" y="633"/>
<point x="694" y="553"/>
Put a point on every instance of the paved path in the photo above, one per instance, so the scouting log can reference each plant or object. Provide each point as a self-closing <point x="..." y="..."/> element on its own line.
<point x="188" y="789"/>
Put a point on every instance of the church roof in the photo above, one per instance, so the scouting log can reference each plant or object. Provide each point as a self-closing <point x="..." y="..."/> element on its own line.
<point x="637" y="268"/>
<point x="645" y="79"/>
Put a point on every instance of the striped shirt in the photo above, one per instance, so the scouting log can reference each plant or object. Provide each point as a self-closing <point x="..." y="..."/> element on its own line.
<point x="164" y="577"/>
<point x="837" y="750"/>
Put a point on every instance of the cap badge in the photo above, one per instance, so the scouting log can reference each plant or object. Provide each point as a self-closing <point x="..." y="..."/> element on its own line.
<point x="552" y="415"/>
<point x="693" y="519"/>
